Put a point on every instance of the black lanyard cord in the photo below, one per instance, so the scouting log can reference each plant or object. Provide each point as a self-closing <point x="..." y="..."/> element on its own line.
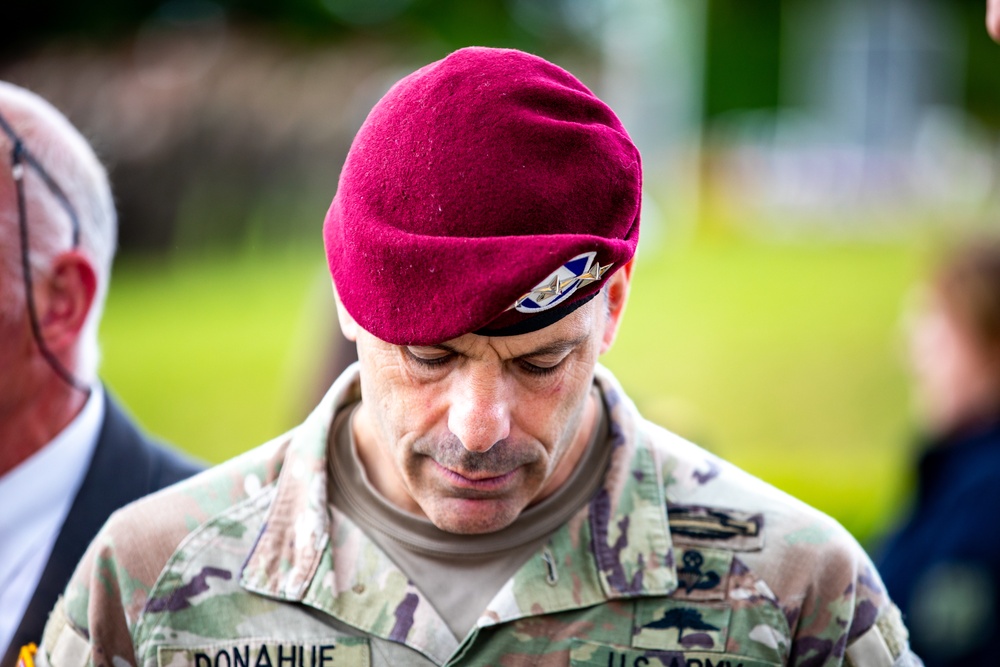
<point x="19" y="158"/>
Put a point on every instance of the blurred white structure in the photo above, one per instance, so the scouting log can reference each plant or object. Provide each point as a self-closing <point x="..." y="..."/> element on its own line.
<point x="872" y="119"/>
<point x="653" y="59"/>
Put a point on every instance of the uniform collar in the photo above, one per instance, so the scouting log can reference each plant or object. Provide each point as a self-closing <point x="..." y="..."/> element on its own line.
<point x="295" y="537"/>
<point x="617" y="546"/>
<point x="632" y="542"/>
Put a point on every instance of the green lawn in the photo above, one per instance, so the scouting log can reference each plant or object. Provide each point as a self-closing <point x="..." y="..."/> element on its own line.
<point x="209" y="353"/>
<point x="787" y="360"/>
<point x="783" y="358"/>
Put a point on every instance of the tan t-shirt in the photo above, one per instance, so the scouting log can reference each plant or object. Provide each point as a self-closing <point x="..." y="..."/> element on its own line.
<point x="459" y="574"/>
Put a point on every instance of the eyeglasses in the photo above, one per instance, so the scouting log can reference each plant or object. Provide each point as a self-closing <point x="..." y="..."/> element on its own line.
<point x="20" y="158"/>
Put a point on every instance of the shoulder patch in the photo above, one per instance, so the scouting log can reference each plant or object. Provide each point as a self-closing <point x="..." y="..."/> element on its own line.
<point x="716" y="527"/>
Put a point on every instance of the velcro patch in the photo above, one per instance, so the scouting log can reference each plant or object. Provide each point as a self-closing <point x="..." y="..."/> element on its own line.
<point x="716" y="527"/>
<point x="62" y="644"/>
<point x="869" y="650"/>
<point x="670" y="625"/>
<point x="894" y="633"/>
<point x="603" y="655"/>
<point x="703" y="574"/>
<point x="328" y="652"/>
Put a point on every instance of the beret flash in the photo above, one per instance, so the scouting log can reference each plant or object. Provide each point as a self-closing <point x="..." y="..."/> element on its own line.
<point x="488" y="192"/>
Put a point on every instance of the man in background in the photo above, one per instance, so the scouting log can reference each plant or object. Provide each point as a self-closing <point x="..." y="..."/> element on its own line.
<point x="68" y="455"/>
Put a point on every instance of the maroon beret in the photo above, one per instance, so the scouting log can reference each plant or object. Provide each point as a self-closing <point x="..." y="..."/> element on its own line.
<point x="488" y="192"/>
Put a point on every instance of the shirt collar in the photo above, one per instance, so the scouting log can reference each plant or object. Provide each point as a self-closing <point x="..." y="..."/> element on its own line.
<point x="34" y="512"/>
<point x="62" y="463"/>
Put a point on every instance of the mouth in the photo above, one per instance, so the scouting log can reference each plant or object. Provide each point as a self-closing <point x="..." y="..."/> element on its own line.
<point x="476" y="481"/>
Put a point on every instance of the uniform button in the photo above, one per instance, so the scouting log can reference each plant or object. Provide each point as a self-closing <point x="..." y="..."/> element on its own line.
<point x="359" y="588"/>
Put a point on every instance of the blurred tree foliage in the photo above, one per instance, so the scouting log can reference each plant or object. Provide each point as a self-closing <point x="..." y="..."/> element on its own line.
<point x="231" y="130"/>
<point x="452" y="23"/>
<point x="982" y="84"/>
<point x="743" y="54"/>
<point x="224" y="122"/>
<point x="743" y="57"/>
<point x="742" y="63"/>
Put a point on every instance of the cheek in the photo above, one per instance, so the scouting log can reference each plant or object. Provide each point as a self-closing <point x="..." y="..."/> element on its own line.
<point x="417" y="412"/>
<point x="551" y="413"/>
<point x="934" y="352"/>
<point x="409" y="410"/>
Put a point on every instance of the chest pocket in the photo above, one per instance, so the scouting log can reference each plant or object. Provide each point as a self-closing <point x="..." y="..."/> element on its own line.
<point x="697" y="615"/>
<point x="327" y="652"/>
<point x="719" y="616"/>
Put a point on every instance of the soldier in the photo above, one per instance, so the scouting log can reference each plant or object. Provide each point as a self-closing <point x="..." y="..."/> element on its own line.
<point x="66" y="444"/>
<point x="477" y="489"/>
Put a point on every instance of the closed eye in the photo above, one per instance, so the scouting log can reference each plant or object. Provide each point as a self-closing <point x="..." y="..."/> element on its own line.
<point x="535" y="369"/>
<point x="429" y="356"/>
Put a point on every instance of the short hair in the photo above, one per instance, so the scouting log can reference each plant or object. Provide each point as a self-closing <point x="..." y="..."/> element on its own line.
<point x="967" y="283"/>
<point x="72" y="163"/>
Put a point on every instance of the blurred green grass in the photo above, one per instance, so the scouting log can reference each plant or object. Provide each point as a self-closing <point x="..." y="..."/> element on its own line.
<point x="782" y="358"/>
<point x="208" y="352"/>
<point x="786" y="360"/>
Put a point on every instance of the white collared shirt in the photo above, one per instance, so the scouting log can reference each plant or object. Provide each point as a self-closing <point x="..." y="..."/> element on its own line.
<point x="35" y="498"/>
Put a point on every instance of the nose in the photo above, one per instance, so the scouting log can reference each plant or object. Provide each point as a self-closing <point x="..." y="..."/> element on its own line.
<point x="479" y="414"/>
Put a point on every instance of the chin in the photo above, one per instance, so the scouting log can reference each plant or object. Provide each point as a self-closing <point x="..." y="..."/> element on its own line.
<point x="474" y="517"/>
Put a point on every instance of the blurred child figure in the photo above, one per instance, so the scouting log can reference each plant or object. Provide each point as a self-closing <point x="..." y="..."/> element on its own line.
<point x="942" y="567"/>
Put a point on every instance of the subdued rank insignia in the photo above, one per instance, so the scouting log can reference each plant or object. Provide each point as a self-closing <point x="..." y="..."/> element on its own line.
<point x="561" y="283"/>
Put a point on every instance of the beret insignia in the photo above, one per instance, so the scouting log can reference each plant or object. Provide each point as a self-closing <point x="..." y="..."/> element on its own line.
<point x="562" y="283"/>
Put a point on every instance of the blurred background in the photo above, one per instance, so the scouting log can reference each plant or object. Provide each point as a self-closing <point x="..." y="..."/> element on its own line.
<point x="804" y="161"/>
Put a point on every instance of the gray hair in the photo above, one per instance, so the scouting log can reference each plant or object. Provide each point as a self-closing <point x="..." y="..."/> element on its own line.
<point x="70" y="160"/>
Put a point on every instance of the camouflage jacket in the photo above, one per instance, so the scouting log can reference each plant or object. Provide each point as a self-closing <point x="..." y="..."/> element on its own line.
<point x="680" y="560"/>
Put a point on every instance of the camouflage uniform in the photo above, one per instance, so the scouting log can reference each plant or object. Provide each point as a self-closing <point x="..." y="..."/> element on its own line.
<point x="247" y="565"/>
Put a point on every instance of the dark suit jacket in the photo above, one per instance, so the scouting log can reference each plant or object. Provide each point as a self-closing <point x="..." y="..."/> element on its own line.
<point x="949" y="543"/>
<point x="126" y="466"/>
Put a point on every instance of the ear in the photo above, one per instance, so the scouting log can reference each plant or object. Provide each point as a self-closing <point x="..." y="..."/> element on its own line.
<point x="348" y="326"/>
<point x="617" y="296"/>
<point x="64" y="296"/>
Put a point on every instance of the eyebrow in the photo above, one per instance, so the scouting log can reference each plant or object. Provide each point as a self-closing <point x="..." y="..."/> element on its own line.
<point x="557" y="347"/>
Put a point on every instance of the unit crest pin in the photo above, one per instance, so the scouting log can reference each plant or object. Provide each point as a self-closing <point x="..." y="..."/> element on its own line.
<point x="561" y="283"/>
